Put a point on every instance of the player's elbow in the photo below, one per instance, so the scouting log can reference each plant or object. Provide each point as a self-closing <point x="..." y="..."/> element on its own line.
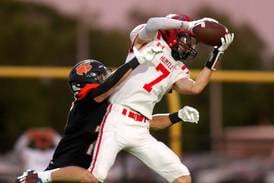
<point x="190" y="91"/>
<point x="188" y="86"/>
<point x="196" y="90"/>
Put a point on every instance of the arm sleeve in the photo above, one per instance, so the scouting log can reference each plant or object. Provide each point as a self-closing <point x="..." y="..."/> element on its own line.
<point x="114" y="78"/>
<point x="157" y="23"/>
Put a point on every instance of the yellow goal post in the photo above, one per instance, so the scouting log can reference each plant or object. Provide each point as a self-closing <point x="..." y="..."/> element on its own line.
<point x="62" y="72"/>
<point x="227" y="76"/>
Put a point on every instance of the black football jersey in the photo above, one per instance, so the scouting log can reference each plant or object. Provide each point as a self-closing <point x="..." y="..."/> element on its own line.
<point x="80" y="133"/>
<point x="84" y="118"/>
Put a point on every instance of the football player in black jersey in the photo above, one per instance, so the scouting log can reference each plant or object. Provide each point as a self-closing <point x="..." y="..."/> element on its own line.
<point x="91" y="84"/>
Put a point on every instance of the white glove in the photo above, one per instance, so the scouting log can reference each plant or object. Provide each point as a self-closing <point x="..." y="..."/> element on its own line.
<point x="226" y="41"/>
<point x="147" y="54"/>
<point x="189" y="114"/>
<point x="189" y="25"/>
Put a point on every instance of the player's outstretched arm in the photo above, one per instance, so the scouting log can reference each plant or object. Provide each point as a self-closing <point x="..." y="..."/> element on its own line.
<point x="154" y="24"/>
<point x="186" y="114"/>
<point x="107" y="87"/>
<point x="189" y="86"/>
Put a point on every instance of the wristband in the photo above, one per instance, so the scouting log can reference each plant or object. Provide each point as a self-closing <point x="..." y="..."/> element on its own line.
<point x="173" y="117"/>
<point x="213" y="59"/>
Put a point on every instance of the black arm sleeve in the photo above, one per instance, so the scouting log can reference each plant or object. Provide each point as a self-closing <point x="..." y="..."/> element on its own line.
<point x="114" y="78"/>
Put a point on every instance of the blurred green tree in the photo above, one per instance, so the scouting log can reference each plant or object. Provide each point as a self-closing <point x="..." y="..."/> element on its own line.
<point x="34" y="35"/>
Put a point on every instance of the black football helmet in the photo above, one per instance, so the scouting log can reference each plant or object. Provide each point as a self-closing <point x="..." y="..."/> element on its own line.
<point x="181" y="42"/>
<point x="86" y="72"/>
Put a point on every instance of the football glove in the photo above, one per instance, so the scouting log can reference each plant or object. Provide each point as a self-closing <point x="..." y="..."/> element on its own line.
<point x="189" y="114"/>
<point x="218" y="51"/>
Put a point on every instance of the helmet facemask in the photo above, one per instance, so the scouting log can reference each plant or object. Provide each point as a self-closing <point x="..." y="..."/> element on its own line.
<point x="184" y="50"/>
<point x="102" y="75"/>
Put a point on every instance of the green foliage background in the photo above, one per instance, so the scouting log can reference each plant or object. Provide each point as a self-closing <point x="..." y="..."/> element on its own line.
<point x="33" y="35"/>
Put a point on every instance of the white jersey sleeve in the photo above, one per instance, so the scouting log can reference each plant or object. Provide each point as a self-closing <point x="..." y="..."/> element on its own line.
<point x="133" y="34"/>
<point x="149" y="82"/>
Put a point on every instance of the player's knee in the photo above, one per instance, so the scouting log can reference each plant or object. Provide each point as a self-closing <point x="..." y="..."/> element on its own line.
<point x="183" y="179"/>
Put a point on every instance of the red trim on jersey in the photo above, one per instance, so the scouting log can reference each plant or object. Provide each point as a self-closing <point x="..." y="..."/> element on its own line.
<point x="99" y="139"/>
<point x="85" y="90"/>
<point x="159" y="35"/>
<point x="184" y="68"/>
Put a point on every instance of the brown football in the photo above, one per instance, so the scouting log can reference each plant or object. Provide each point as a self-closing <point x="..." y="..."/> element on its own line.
<point x="210" y="33"/>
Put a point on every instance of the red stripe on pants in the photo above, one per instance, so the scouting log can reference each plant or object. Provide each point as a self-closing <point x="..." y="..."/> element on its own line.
<point x="99" y="139"/>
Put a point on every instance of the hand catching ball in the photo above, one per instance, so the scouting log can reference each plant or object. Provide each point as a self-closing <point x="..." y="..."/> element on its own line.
<point x="210" y="32"/>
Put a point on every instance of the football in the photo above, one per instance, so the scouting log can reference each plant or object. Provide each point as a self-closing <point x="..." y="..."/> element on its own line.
<point x="210" y="33"/>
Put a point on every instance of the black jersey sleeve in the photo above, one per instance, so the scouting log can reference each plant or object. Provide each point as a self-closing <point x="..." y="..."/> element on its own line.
<point x="114" y="78"/>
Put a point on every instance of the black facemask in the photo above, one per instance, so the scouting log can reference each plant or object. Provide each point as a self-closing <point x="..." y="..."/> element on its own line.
<point x="184" y="50"/>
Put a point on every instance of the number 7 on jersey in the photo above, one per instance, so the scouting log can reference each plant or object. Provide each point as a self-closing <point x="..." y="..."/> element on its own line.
<point x="164" y="73"/>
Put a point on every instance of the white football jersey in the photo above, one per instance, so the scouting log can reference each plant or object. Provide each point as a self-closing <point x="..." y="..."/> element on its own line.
<point x="150" y="81"/>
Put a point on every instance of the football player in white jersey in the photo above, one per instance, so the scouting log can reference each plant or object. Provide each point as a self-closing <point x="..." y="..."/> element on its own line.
<point x="91" y="86"/>
<point x="166" y="43"/>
